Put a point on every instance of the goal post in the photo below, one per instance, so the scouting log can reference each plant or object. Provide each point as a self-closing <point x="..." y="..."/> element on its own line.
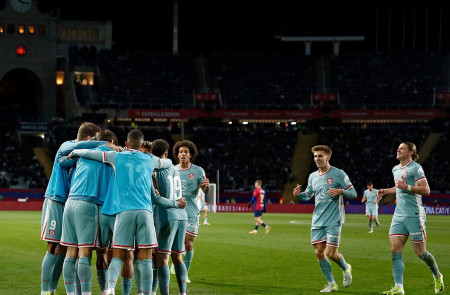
<point x="211" y="198"/>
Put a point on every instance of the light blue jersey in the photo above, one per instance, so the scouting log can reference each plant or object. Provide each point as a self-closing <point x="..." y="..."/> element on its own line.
<point x="91" y="180"/>
<point x="371" y="198"/>
<point x="169" y="186"/>
<point x="59" y="184"/>
<point x="328" y="211"/>
<point x="408" y="203"/>
<point x="191" y="178"/>
<point x="133" y="189"/>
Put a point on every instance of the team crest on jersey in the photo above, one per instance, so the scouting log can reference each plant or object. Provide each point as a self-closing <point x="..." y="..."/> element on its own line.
<point x="51" y="233"/>
<point x="405" y="174"/>
<point x="191" y="175"/>
<point x="330" y="181"/>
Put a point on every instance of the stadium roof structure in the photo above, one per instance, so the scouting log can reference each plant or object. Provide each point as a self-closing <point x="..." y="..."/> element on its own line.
<point x="333" y="39"/>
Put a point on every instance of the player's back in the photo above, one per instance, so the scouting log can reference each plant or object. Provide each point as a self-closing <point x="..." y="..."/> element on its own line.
<point x="133" y="180"/>
<point x="169" y="186"/>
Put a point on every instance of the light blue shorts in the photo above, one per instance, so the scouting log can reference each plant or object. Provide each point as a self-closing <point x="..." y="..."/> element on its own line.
<point x="106" y="226"/>
<point x="80" y="224"/>
<point x="134" y="225"/>
<point x="51" y="221"/>
<point x="329" y="234"/>
<point x="171" y="236"/>
<point x="414" y="226"/>
<point x="371" y="210"/>
<point x="192" y="226"/>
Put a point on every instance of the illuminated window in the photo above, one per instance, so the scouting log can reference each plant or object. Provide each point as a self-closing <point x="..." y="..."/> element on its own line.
<point x="84" y="33"/>
<point x="64" y="33"/>
<point x="59" y="78"/>
<point x="31" y="29"/>
<point x="21" y="50"/>
<point x="21" y="29"/>
<point x="2" y="28"/>
<point x="41" y="30"/>
<point x="95" y="34"/>
<point x="74" y="33"/>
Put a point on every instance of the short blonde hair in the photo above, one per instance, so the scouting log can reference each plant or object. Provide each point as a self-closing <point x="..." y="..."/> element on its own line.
<point x="326" y="149"/>
<point x="259" y="182"/>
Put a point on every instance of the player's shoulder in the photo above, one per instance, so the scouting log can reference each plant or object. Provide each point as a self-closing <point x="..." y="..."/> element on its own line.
<point x="337" y="171"/>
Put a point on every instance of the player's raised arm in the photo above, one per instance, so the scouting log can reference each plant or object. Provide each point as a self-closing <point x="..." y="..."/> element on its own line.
<point x="99" y="156"/>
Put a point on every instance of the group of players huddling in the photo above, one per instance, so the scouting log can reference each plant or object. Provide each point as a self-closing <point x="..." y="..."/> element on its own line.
<point x="131" y="205"/>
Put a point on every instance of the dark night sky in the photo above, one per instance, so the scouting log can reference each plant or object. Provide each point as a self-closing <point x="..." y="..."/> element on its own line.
<point x="247" y="25"/>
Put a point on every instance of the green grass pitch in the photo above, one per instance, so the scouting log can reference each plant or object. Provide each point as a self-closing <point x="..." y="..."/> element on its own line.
<point x="228" y="260"/>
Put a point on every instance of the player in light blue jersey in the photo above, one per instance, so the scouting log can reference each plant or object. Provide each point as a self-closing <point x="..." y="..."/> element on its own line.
<point x="371" y="200"/>
<point x="409" y="217"/>
<point x="203" y="206"/>
<point x="192" y="179"/>
<point x="53" y="207"/>
<point x="328" y="185"/>
<point x="80" y="235"/>
<point x="170" y="224"/>
<point x="133" y="197"/>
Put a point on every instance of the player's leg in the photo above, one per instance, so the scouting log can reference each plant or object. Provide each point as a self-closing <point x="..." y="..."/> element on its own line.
<point x="137" y="272"/>
<point x="127" y="273"/>
<point x="147" y="269"/>
<point x="114" y="269"/>
<point x="189" y="246"/>
<point x="417" y="229"/>
<point x="257" y="215"/>
<point x="155" y="282"/>
<point x="166" y="234"/>
<point x="123" y="241"/>
<point x="162" y="264"/>
<point x="57" y="270"/>
<point x="69" y="239"/>
<point x="205" y="220"/>
<point x="101" y="265"/>
<point x="85" y="269"/>
<point x="86" y="223"/>
<point x="332" y="251"/>
<point x="191" y="233"/>
<point x="398" y="235"/>
<point x="370" y="223"/>
<point x="178" y="248"/>
<point x="51" y="229"/>
<point x="146" y="240"/>
<point x="261" y="222"/>
<point x="106" y="227"/>
<point x="318" y="240"/>
<point x="375" y="216"/>
<point x="69" y="270"/>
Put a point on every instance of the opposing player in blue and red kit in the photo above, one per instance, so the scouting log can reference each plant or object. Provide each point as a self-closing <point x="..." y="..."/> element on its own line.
<point x="328" y="185"/>
<point x="260" y="201"/>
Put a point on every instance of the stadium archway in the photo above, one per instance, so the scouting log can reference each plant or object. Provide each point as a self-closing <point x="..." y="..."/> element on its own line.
<point x="21" y="94"/>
